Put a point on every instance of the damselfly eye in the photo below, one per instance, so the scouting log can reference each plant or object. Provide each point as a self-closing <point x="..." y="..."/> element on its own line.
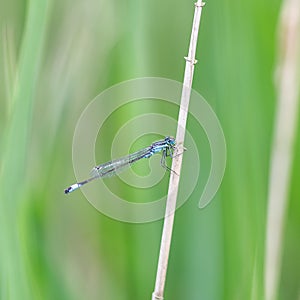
<point x="170" y="140"/>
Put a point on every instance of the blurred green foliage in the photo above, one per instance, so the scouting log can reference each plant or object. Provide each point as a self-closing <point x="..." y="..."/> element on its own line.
<point x="55" y="58"/>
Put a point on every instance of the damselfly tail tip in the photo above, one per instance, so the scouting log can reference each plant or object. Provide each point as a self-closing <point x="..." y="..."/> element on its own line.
<point x="72" y="188"/>
<point x="68" y="190"/>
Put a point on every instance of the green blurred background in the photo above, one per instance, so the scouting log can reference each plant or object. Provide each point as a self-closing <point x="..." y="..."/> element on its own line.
<point x="56" y="56"/>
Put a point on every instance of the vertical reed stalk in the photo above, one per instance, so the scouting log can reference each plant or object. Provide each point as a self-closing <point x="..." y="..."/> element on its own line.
<point x="284" y="138"/>
<point x="177" y="161"/>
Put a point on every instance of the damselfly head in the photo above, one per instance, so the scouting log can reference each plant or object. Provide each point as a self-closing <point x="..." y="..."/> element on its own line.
<point x="170" y="140"/>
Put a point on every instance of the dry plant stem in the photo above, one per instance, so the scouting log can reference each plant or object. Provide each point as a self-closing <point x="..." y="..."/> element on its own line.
<point x="284" y="138"/>
<point x="177" y="161"/>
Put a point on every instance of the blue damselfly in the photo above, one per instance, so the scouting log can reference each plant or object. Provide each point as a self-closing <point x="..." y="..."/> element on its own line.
<point x="166" y="147"/>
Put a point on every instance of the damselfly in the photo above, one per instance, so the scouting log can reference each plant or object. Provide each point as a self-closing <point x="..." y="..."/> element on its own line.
<point x="166" y="147"/>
